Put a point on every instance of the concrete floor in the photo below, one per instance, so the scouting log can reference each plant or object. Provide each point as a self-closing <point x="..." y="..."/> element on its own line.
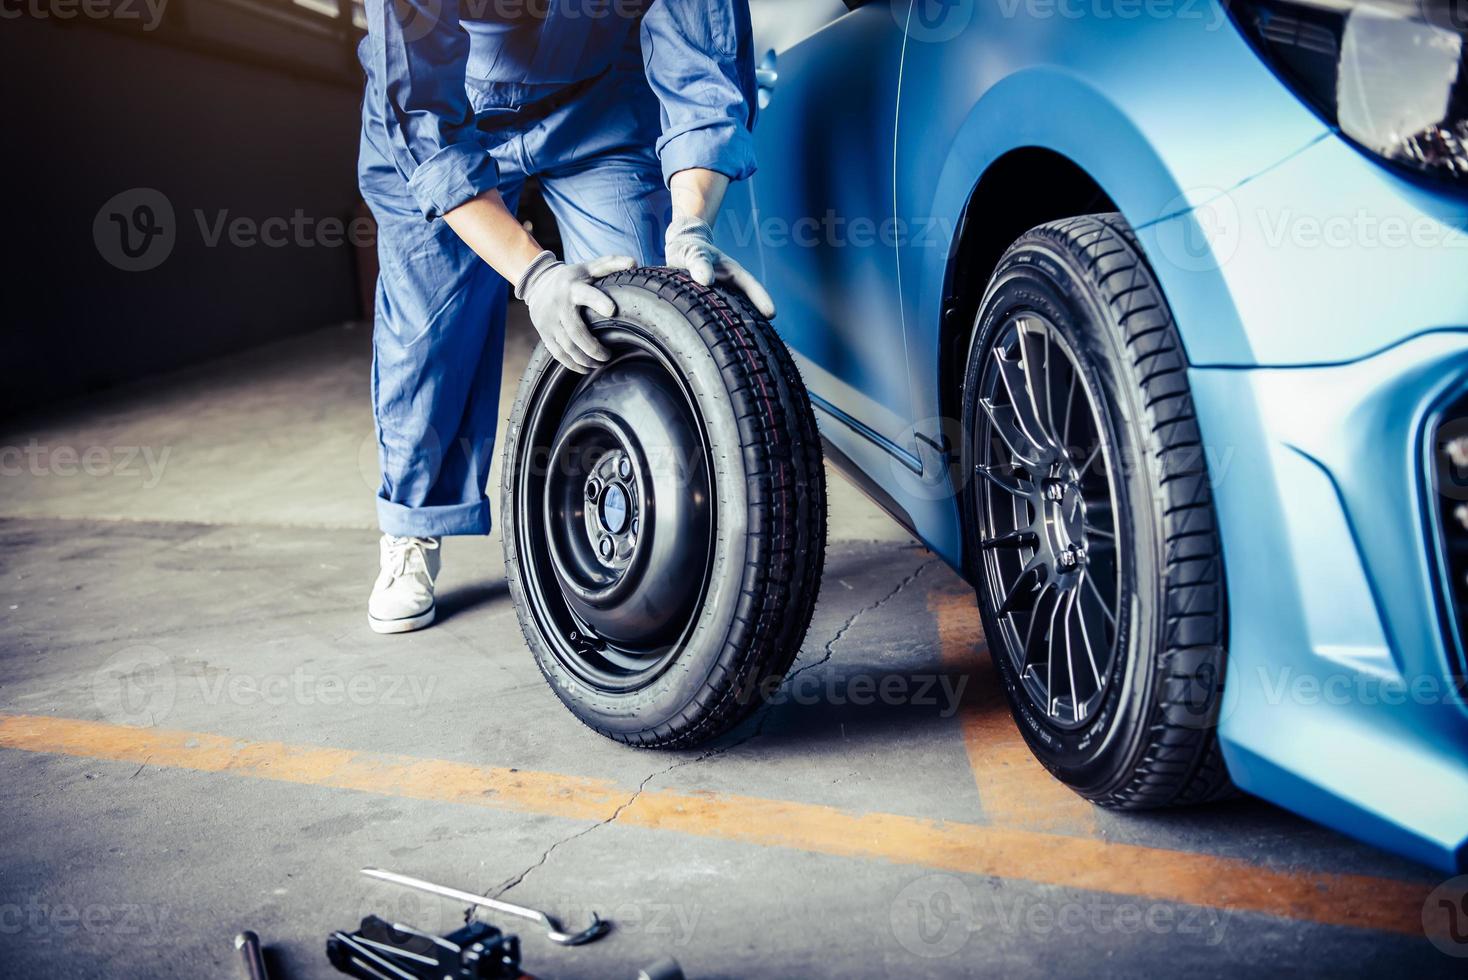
<point x="198" y="734"/>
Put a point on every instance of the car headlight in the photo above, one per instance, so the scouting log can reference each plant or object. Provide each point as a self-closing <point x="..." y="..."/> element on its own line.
<point x="1391" y="74"/>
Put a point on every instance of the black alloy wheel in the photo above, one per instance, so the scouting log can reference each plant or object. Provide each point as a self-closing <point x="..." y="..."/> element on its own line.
<point x="1051" y="565"/>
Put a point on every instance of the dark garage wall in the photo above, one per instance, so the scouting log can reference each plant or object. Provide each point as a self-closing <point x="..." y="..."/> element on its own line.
<point x="91" y="112"/>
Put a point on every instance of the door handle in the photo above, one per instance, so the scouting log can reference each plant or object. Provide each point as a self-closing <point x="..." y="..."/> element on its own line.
<point x="765" y="78"/>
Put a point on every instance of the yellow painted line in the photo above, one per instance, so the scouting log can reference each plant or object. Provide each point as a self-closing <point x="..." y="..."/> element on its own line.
<point x="1014" y="789"/>
<point x="1003" y="852"/>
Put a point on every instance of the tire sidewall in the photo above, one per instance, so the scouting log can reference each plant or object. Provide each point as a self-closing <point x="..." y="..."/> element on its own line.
<point x="660" y="701"/>
<point x="1036" y="277"/>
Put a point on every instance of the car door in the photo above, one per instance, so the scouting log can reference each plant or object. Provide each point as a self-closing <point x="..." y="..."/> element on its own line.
<point x="817" y="217"/>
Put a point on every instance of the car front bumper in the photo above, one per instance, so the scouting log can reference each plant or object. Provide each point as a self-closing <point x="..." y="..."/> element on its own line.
<point x="1343" y="694"/>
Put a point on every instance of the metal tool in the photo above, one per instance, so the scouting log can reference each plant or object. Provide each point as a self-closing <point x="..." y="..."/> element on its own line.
<point x="382" y="950"/>
<point x="554" y="933"/>
<point x="664" y="969"/>
<point x="248" y="945"/>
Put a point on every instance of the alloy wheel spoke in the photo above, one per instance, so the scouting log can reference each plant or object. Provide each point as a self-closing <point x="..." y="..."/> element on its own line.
<point x="1024" y="409"/>
<point x="1006" y="423"/>
<point x="1089" y="460"/>
<point x="1034" y="358"/>
<point x="1009" y="483"/>
<point x="1024" y="594"/>
<point x="1100" y="599"/>
<point x="1070" y="396"/>
<point x="1050" y="657"/>
<point x="1032" y="651"/>
<point x="1070" y="665"/>
<point x="1086" y="639"/>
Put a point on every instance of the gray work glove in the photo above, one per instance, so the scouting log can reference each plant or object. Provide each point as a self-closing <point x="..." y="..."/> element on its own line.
<point x="690" y="247"/>
<point x="556" y="293"/>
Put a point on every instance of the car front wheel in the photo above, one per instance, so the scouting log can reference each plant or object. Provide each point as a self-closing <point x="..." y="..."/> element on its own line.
<point x="1092" y="537"/>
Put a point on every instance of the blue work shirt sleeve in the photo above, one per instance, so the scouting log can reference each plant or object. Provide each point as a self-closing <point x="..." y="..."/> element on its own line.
<point x="699" y="60"/>
<point x="417" y="53"/>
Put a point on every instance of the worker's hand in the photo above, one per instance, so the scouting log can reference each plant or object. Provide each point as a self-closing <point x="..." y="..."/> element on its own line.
<point x="690" y="247"/>
<point x="556" y="294"/>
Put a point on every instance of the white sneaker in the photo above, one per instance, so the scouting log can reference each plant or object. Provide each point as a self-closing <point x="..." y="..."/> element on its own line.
<point x="402" y="598"/>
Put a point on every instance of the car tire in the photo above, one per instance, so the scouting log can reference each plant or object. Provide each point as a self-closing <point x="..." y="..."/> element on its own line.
<point x="1102" y="522"/>
<point x="665" y="617"/>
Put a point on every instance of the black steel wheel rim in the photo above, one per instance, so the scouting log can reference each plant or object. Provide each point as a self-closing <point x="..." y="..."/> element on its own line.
<point x="614" y="512"/>
<point x="1051" y="566"/>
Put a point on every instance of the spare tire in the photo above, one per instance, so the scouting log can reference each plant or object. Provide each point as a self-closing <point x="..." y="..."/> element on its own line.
<point x="664" y="518"/>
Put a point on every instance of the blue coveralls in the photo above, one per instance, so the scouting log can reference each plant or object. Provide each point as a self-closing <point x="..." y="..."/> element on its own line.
<point x="603" y="101"/>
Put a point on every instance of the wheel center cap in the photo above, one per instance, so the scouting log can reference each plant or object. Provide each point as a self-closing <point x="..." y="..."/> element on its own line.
<point x="1065" y="524"/>
<point x="614" y="509"/>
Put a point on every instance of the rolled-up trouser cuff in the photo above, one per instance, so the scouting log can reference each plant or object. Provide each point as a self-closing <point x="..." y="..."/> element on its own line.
<point x="432" y="522"/>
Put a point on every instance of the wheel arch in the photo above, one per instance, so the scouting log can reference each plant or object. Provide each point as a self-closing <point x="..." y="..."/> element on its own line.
<point x="1025" y="187"/>
<point x="1042" y="144"/>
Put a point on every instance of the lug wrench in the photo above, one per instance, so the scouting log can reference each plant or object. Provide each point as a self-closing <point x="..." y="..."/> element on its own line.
<point x="553" y="931"/>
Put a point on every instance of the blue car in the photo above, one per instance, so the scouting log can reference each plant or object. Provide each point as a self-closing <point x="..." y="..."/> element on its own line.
<point x="1151" y="318"/>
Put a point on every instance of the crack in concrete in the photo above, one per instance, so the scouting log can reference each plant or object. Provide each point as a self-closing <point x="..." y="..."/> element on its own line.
<point x="515" y="881"/>
<point x="763" y="716"/>
<point x="830" y="647"/>
<point x="519" y="878"/>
